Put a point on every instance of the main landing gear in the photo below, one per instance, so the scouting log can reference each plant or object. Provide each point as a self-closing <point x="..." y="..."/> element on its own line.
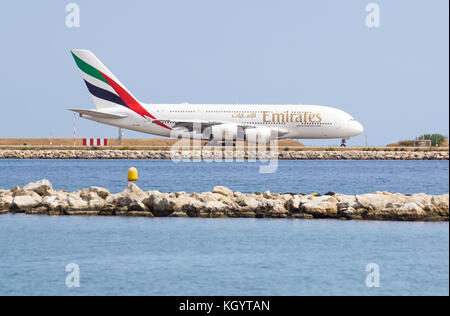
<point x="343" y="142"/>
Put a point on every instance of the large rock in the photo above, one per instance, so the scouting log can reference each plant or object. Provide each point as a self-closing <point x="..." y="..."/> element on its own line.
<point x="131" y="194"/>
<point x="223" y="191"/>
<point x="96" y="204"/>
<point x="42" y="187"/>
<point x="137" y="207"/>
<point x="15" y="189"/>
<point x="323" y="206"/>
<point x="247" y="203"/>
<point x="5" y="203"/>
<point x="211" y="197"/>
<point x="133" y="191"/>
<point x="373" y="202"/>
<point x="194" y="208"/>
<point x="179" y="204"/>
<point x="23" y="192"/>
<point x="412" y="208"/>
<point x="380" y="200"/>
<point x="76" y="204"/>
<point x="271" y="208"/>
<point x="441" y="201"/>
<point x="440" y="205"/>
<point x="162" y="206"/>
<point x="420" y="199"/>
<point x="101" y="192"/>
<point x="351" y="213"/>
<point x="211" y="209"/>
<point x="278" y="208"/>
<point x="294" y="203"/>
<point x="55" y="205"/>
<point x="94" y="193"/>
<point x="87" y="195"/>
<point x="349" y="208"/>
<point x="149" y="200"/>
<point x="267" y="195"/>
<point x="215" y="206"/>
<point x="5" y="192"/>
<point x="24" y="202"/>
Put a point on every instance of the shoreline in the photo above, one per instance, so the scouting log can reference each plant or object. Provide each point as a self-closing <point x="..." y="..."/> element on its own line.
<point x="39" y="198"/>
<point x="209" y="154"/>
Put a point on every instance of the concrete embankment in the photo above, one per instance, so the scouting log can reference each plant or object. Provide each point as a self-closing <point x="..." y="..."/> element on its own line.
<point x="41" y="198"/>
<point x="209" y="154"/>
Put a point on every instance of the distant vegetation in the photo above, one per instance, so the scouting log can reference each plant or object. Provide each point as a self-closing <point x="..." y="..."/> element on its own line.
<point x="402" y="143"/>
<point x="436" y="139"/>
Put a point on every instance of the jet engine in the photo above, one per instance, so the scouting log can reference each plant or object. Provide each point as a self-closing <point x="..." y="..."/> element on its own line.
<point x="230" y="132"/>
<point x="259" y="135"/>
<point x="224" y="132"/>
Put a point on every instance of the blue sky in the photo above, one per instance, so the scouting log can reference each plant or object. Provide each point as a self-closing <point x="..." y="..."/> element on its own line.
<point x="393" y="79"/>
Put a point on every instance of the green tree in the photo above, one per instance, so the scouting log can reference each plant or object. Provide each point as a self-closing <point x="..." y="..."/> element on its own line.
<point x="436" y="139"/>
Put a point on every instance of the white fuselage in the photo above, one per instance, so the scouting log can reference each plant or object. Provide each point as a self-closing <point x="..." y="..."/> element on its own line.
<point x="290" y="121"/>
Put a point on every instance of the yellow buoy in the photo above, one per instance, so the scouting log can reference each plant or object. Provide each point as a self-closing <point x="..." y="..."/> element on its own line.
<point x="132" y="174"/>
<point x="314" y="194"/>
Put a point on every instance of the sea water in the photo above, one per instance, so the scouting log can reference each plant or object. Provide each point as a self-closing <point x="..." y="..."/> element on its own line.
<point x="192" y="256"/>
<point x="302" y="176"/>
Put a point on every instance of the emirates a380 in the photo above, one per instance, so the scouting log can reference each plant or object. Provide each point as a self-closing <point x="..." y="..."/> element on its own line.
<point x="116" y="106"/>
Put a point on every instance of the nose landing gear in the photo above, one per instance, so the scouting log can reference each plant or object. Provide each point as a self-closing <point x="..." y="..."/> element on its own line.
<point x="344" y="142"/>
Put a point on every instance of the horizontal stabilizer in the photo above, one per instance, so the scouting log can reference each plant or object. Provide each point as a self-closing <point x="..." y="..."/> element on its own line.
<point x="99" y="114"/>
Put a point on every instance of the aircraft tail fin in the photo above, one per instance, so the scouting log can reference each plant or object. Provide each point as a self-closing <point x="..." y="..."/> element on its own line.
<point x="105" y="88"/>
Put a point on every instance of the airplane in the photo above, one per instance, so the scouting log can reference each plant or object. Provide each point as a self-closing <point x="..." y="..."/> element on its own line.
<point x="261" y="123"/>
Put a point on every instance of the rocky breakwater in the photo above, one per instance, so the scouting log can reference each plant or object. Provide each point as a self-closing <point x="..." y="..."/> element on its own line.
<point x="208" y="154"/>
<point x="41" y="198"/>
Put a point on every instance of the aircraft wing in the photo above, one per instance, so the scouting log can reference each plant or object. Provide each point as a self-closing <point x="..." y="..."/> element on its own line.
<point x="99" y="114"/>
<point x="189" y="125"/>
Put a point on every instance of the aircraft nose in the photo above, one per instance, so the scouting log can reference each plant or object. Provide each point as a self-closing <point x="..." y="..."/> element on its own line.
<point x="358" y="128"/>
